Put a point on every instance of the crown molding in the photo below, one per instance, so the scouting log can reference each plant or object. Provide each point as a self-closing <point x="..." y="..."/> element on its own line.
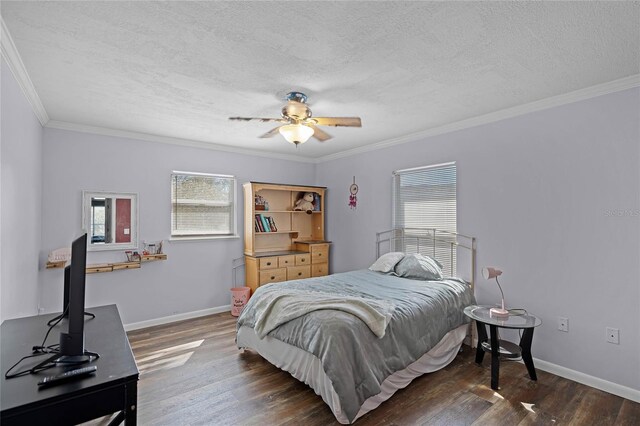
<point x="554" y="101"/>
<point x="11" y="55"/>
<point x="63" y="125"/>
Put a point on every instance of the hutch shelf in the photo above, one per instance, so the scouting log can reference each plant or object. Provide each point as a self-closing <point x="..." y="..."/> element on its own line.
<point x="296" y="249"/>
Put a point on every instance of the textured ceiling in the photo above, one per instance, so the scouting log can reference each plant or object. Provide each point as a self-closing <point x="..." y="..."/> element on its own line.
<point x="179" y="69"/>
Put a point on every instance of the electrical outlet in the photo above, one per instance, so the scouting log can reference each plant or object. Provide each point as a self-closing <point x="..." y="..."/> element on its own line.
<point x="563" y="324"/>
<point x="613" y="335"/>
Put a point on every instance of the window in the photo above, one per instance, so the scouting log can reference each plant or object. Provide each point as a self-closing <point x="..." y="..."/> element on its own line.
<point x="98" y="222"/>
<point x="111" y="219"/>
<point x="424" y="198"/>
<point x="202" y="205"/>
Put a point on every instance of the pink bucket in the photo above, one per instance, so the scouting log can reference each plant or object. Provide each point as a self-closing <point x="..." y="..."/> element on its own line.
<point x="239" y="298"/>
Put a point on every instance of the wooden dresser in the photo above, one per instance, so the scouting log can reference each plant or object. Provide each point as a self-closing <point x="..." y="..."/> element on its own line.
<point x="281" y="244"/>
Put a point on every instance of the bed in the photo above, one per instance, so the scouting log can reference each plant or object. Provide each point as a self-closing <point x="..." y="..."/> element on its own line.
<point x="357" y="337"/>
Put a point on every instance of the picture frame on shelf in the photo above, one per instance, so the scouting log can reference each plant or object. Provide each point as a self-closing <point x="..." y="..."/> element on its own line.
<point x="133" y="256"/>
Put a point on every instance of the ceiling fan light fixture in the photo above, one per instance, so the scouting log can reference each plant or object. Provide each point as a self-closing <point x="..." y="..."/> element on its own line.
<point x="296" y="133"/>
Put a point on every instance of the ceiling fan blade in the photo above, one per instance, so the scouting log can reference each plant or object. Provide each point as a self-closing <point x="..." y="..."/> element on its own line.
<point x="338" y="121"/>
<point x="271" y="133"/>
<point x="263" y="120"/>
<point x="319" y="134"/>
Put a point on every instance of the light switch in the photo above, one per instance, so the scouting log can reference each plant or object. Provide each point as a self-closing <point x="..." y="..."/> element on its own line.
<point x="126" y="231"/>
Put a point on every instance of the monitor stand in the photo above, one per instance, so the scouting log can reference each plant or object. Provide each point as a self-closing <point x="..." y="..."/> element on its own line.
<point x="58" y="359"/>
<point x="63" y="315"/>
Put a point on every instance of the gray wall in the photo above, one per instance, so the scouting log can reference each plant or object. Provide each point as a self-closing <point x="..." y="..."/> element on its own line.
<point x="21" y="188"/>
<point x="197" y="274"/>
<point x="553" y="198"/>
<point x="537" y="191"/>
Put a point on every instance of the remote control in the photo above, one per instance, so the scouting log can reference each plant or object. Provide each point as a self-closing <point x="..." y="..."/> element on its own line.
<point x="67" y="375"/>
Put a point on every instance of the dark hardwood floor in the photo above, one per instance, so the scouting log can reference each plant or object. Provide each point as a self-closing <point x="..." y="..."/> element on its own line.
<point x="192" y="373"/>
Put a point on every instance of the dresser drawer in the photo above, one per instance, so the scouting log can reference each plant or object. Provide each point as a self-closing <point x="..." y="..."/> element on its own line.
<point x="319" y="253"/>
<point x="273" y="276"/>
<point x="319" y="269"/>
<point x="298" y="272"/>
<point x="303" y="259"/>
<point x="268" y="262"/>
<point x="285" y="261"/>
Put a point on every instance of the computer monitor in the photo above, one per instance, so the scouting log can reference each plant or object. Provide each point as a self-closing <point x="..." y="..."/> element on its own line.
<point x="71" y="350"/>
<point x="72" y="342"/>
<point x="65" y="300"/>
<point x="65" y="296"/>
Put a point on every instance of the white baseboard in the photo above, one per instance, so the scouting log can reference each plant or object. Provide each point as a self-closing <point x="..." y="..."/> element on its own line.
<point x="178" y="317"/>
<point x="585" y="379"/>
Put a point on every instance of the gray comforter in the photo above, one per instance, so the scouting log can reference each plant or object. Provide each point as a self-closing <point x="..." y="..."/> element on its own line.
<point x="353" y="357"/>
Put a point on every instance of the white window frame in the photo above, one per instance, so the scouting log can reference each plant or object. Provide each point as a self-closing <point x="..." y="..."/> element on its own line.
<point x="86" y="219"/>
<point x="233" y="214"/>
<point x="403" y="244"/>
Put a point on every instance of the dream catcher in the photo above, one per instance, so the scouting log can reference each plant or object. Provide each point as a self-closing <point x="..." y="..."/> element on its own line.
<point x="353" y="190"/>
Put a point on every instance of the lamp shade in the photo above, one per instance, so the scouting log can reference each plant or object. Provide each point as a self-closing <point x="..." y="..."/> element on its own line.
<point x="489" y="272"/>
<point x="296" y="133"/>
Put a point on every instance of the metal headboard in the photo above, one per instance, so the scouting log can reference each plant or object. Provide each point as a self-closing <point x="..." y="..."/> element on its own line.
<point x="432" y="242"/>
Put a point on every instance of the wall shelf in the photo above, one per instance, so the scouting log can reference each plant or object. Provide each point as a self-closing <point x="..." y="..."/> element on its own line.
<point x="99" y="267"/>
<point x="153" y="257"/>
<point x="118" y="266"/>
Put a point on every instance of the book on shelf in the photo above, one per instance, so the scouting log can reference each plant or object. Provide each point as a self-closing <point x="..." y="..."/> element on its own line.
<point x="316" y="202"/>
<point x="265" y="223"/>
<point x="259" y="223"/>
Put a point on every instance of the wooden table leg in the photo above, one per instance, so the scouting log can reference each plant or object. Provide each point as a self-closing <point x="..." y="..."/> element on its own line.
<point x="495" y="357"/>
<point x="525" y="344"/>
<point x="482" y="337"/>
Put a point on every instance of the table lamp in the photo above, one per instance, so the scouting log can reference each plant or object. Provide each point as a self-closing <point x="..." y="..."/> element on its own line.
<point x="488" y="273"/>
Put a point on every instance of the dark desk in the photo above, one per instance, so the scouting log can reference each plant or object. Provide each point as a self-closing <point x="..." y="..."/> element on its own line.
<point x="113" y="388"/>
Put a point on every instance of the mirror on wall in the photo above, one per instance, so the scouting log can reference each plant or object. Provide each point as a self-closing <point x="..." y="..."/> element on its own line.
<point x="110" y="219"/>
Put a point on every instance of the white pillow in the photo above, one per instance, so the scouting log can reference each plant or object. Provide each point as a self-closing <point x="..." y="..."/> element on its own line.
<point x="387" y="262"/>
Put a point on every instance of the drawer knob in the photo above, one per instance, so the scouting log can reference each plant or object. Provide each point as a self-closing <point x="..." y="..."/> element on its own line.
<point x="272" y="277"/>
<point x="301" y="260"/>
<point x="299" y="273"/>
<point x="319" y="254"/>
<point x="268" y="263"/>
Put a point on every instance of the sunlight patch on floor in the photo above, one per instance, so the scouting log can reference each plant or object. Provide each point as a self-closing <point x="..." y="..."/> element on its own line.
<point x="527" y="406"/>
<point x="167" y="358"/>
<point x="170" y="350"/>
<point x="164" y="364"/>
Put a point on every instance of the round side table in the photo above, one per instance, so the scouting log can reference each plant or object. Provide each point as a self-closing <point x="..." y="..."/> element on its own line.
<point x="502" y="348"/>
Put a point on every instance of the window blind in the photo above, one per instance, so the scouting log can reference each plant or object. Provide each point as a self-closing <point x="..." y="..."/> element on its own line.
<point x="202" y="205"/>
<point x="424" y="198"/>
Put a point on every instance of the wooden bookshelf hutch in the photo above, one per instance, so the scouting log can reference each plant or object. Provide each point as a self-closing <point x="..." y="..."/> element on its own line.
<point x="297" y="249"/>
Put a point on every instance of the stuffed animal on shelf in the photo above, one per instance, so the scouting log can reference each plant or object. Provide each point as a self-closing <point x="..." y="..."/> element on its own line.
<point x="305" y="203"/>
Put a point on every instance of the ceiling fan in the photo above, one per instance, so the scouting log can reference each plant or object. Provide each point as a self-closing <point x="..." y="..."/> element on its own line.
<point x="298" y="124"/>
